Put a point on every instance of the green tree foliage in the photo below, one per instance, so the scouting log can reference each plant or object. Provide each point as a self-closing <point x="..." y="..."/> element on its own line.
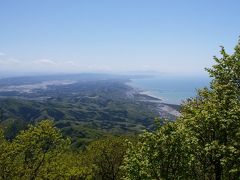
<point x="4" y="159"/>
<point x="204" y="143"/>
<point x="37" y="149"/>
<point x="41" y="152"/>
<point x="74" y="165"/>
<point x="158" y="155"/>
<point x="212" y="120"/>
<point x="106" y="157"/>
<point x="32" y="154"/>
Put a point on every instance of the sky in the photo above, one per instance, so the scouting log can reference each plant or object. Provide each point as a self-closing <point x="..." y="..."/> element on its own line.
<point x="121" y="36"/>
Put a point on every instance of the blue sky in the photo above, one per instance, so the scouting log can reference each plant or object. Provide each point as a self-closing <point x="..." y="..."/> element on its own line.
<point x="170" y="36"/>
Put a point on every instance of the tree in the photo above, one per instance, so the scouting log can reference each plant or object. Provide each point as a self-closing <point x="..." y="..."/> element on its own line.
<point x="204" y="143"/>
<point x="73" y="165"/>
<point x="106" y="157"/>
<point x="212" y="120"/>
<point x="158" y="155"/>
<point x="32" y="154"/>
<point x="4" y="158"/>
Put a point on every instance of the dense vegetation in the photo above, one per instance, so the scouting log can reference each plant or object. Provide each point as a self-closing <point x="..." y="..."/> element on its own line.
<point x="85" y="110"/>
<point x="41" y="152"/>
<point x="203" y="143"/>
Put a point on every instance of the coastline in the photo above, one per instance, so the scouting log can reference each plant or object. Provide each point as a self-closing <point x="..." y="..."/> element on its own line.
<point x="149" y="96"/>
<point x="170" y="90"/>
<point x="161" y="107"/>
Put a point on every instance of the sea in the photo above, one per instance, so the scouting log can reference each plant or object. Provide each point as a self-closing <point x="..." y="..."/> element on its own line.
<point x="171" y="90"/>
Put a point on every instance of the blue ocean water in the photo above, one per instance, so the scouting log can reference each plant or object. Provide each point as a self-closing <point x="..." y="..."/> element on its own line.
<point x="171" y="90"/>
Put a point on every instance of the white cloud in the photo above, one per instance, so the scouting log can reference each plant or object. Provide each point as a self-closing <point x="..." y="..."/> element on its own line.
<point x="10" y="61"/>
<point x="69" y="63"/>
<point x="2" y="54"/>
<point x="45" y="62"/>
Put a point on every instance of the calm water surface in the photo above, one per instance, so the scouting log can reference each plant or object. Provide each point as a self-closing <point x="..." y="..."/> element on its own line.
<point x="172" y="90"/>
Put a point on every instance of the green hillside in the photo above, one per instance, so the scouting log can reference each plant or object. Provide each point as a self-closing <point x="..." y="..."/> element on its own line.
<point x="83" y="110"/>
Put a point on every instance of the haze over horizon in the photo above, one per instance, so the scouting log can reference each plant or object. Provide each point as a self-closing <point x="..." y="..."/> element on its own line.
<point x="170" y="37"/>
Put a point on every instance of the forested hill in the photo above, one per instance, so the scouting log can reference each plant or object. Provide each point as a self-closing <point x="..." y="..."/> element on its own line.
<point x="84" y="107"/>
